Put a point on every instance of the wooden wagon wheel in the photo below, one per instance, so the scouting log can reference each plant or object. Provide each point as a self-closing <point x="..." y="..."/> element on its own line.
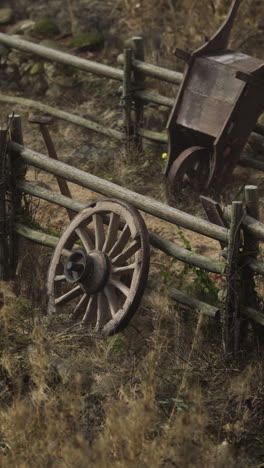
<point x="99" y="268"/>
<point x="191" y="168"/>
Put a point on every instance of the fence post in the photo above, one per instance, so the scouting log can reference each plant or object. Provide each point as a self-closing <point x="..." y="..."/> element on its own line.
<point x="232" y="303"/>
<point x="127" y="98"/>
<point x="251" y="248"/>
<point x="17" y="172"/>
<point x="4" y="260"/>
<point x="139" y="80"/>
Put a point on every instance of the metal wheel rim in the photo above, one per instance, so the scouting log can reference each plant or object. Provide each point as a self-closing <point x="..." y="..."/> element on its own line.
<point x="191" y="163"/>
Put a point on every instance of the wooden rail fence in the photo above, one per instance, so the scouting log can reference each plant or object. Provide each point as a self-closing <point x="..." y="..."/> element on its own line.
<point x="238" y="267"/>
<point x="134" y="94"/>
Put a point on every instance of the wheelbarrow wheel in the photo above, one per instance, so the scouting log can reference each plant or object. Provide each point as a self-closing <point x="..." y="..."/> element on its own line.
<point x="190" y="169"/>
<point x="99" y="268"/>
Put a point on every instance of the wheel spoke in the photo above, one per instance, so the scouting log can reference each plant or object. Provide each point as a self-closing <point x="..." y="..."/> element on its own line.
<point x="124" y="269"/>
<point x="111" y="232"/>
<point x="110" y="266"/>
<point x="75" y="292"/>
<point x="126" y="254"/>
<point x="79" y="307"/>
<point x="120" y="286"/>
<point x="65" y="252"/>
<point x="101" y="312"/>
<point x="89" y="309"/>
<point x="112" y="300"/>
<point x="99" y="231"/>
<point x="59" y="278"/>
<point x="121" y="242"/>
<point x="84" y="236"/>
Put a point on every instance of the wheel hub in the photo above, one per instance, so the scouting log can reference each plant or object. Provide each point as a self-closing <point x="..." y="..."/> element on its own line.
<point x="90" y="270"/>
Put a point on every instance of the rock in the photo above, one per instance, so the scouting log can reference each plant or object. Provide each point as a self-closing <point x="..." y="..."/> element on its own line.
<point x="22" y="27"/>
<point x="90" y="40"/>
<point x="39" y="87"/>
<point x="24" y="82"/>
<point x="37" y="68"/>
<point x="6" y="15"/>
<point x="54" y="91"/>
<point x="45" y="27"/>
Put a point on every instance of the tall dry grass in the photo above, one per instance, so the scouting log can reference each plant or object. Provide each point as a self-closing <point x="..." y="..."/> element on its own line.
<point x="159" y="394"/>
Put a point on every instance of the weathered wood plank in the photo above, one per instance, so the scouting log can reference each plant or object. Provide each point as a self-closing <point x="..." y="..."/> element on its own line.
<point x="139" y="84"/>
<point x="53" y="197"/>
<point x="75" y="119"/>
<point x="253" y="314"/>
<point x="149" y="205"/>
<point x="61" y="57"/>
<point x="153" y="136"/>
<point x="4" y="248"/>
<point x="153" y="71"/>
<point x="36" y="236"/>
<point x="256" y="228"/>
<point x="193" y="303"/>
<point x="156" y="240"/>
<point x="232" y="312"/>
<point x="186" y="256"/>
<point x="127" y="98"/>
<point x="250" y="162"/>
<point x="154" y="98"/>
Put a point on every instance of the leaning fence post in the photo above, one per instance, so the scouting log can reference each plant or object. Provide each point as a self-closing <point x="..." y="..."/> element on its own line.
<point x="127" y="97"/>
<point x="139" y="79"/>
<point x="18" y="170"/>
<point x="4" y="260"/>
<point x="231" y="313"/>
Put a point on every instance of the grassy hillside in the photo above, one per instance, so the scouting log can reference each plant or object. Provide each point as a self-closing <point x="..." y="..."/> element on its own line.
<point x="161" y="393"/>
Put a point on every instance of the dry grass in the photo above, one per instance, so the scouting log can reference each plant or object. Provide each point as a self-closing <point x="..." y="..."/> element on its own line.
<point x="158" y="394"/>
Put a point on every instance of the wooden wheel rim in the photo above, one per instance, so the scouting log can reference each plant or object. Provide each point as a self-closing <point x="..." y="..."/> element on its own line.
<point x="118" y="231"/>
<point x="195" y="158"/>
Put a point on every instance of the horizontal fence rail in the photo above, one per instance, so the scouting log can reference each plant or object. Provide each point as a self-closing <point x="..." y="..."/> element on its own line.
<point x="153" y="71"/>
<point x="156" y="240"/>
<point x="109" y="189"/>
<point x="75" y="119"/>
<point x="61" y="57"/>
<point x="240" y="261"/>
<point x="138" y="66"/>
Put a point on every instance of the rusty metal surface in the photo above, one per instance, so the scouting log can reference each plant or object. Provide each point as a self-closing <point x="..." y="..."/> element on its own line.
<point x="190" y="168"/>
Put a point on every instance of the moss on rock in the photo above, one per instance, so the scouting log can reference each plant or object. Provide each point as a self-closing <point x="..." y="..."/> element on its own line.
<point x="90" y="40"/>
<point x="45" y="27"/>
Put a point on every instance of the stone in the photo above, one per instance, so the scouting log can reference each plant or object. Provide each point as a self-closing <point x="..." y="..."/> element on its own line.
<point x="45" y="27"/>
<point x="89" y="40"/>
<point x="22" y="27"/>
<point x="36" y="69"/>
<point x="6" y="15"/>
<point x="39" y="86"/>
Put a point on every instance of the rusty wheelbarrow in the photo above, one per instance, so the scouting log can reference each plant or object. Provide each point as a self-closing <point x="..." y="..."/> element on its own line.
<point x="219" y="102"/>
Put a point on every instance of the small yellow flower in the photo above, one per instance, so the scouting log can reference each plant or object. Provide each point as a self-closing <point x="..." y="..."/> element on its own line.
<point x="164" y="155"/>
